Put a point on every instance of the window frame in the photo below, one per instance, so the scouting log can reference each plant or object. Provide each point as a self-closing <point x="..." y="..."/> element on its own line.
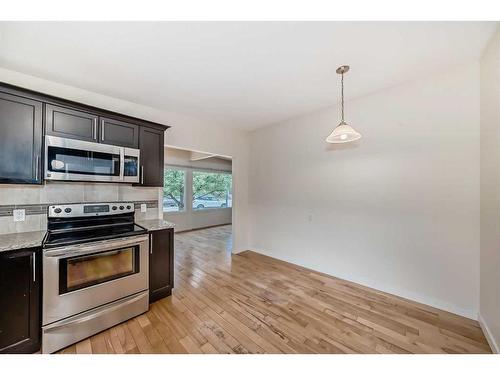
<point x="208" y="170"/>
<point x="188" y="188"/>
<point x="179" y="168"/>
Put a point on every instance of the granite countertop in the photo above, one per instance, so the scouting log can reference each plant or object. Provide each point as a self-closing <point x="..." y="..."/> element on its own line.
<point x="14" y="241"/>
<point x="155" y="224"/>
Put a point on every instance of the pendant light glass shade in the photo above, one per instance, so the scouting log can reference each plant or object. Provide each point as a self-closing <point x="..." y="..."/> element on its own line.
<point x="343" y="133"/>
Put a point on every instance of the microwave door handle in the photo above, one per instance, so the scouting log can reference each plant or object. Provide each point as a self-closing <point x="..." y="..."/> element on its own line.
<point x="122" y="162"/>
<point x="95" y="129"/>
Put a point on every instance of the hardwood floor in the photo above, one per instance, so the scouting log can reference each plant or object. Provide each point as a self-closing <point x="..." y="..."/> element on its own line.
<point x="250" y="303"/>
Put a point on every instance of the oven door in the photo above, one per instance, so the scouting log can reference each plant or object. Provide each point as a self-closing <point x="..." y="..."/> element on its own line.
<point x="131" y="165"/>
<point x="74" y="160"/>
<point x="81" y="277"/>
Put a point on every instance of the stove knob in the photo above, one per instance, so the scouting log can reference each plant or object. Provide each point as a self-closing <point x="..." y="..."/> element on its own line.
<point x="114" y="208"/>
<point x="128" y="207"/>
<point x="67" y="210"/>
<point x="58" y="210"/>
<point x="121" y="207"/>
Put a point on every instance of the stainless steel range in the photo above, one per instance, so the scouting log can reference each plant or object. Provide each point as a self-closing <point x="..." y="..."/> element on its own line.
<point x="95" y="269"/>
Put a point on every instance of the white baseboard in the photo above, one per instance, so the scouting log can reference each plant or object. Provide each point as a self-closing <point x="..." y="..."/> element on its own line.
<point x="487" y="333"/>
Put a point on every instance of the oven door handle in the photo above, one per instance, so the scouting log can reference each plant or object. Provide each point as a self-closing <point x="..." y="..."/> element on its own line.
<point x="94" y="248"/>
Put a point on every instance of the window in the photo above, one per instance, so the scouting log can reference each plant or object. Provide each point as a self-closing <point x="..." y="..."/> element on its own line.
<point x="174" y="190"/>
<point x="212" y="190"/>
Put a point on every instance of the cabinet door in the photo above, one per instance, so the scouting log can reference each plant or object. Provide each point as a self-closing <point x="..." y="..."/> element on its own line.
<point x="119" y="133"/>
<point x="161" y="262"/>
<point x="20" y="300"/>
<point x="20" y="140"/>
<point x="69" y="123"/>
<point x="151" y="145"/>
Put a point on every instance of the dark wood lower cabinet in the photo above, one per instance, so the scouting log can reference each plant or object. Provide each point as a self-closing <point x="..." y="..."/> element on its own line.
<point x="20" y="288"/>
<point x="161" y="264"/>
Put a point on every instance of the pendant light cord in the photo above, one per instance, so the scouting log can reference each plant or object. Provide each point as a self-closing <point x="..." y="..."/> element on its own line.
<point x="342" y="91"/>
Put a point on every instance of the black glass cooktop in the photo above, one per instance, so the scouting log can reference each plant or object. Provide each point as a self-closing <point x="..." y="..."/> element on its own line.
<point x="69" y="224"/>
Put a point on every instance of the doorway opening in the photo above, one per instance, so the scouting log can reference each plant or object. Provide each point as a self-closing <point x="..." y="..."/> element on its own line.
<point x="198" y="192"/>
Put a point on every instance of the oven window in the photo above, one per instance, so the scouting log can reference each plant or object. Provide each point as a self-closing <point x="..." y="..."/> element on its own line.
<point x="67" y="160"/>
<point x="87" y="270"/>
<point x="130" y="166"/>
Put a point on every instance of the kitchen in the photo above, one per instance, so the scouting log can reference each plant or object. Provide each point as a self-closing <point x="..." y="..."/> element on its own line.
<point x="247" y="188"/>
<point x="88" y="248"/>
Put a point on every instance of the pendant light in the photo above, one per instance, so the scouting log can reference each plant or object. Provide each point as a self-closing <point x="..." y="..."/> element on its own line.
<point x="343" y="132"/>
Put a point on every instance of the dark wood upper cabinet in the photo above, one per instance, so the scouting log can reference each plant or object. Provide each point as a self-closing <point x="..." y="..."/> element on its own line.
<point x="85" y="126"/>
<point x="70" y="123"/>
<point x="118" y="133"/>
<point x="152" y="146"/>
<point x="161" y="264"/>
<point x="20" y="278"/>
<point x="20" y="140"/>
<point x="26" y="116"/>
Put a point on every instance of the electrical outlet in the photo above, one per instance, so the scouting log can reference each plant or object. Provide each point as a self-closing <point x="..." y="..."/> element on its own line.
<point x="143" y="207"/>
<point x="19" y="215"/>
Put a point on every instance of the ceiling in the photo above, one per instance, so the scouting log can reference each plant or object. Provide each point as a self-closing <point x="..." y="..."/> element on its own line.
<point x="242" y="74"/>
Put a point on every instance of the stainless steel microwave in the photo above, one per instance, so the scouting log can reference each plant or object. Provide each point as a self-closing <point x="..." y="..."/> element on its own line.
<point x="74" y="160"/>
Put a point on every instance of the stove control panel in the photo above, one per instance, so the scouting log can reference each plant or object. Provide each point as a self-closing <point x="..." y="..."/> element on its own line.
<point x="90" y="209"/>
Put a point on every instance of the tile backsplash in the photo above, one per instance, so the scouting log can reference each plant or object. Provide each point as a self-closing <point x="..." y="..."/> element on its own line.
<point x="36" y="198"/>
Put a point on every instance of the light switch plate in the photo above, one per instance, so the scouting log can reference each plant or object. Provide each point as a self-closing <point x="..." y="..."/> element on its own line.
<point x="19" y="215"/>
<point x="143" y="207"/>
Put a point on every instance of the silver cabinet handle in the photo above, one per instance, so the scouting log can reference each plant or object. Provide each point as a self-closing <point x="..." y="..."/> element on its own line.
<point x="36" y="167"/>
<point x="95" y="129"/>
<point x="142" y="174"/>
<point x="151" y="244"/>
<point x="34" y="267"/>
<point x="102" y="130"/>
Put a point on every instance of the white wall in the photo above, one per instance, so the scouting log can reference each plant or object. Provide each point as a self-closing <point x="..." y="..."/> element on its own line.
<point x="189" y="218"/>
<point x="187" y="132"/>
<point x="398" y="210"/>
<point x="489" y="310"/>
